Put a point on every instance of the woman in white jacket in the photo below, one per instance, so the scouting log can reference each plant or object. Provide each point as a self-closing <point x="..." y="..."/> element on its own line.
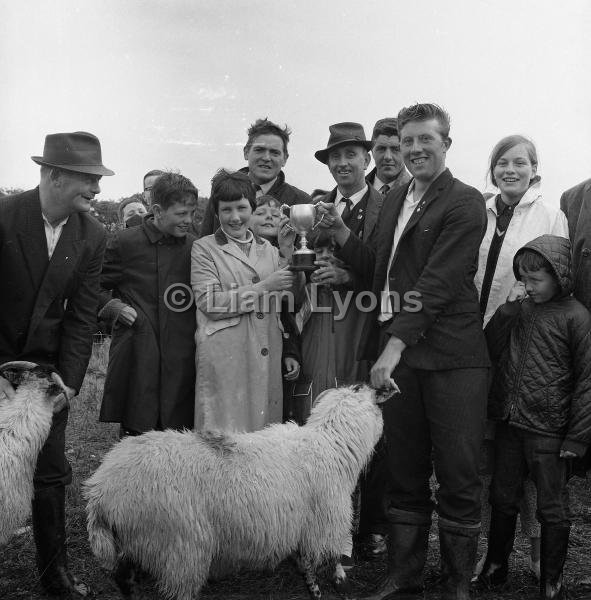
<point x="516" y="215"/>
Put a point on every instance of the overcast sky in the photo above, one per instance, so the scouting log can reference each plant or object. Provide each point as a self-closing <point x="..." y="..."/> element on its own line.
<point x="176" y="84"/>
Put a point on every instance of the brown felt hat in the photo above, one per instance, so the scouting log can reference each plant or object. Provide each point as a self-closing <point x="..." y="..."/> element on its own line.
<point x="342" y="134"/>
<point x="79" y="151"/>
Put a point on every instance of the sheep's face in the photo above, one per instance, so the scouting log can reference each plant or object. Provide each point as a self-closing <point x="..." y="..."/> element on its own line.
<point x="20" y="373"/>
<point x="354" y="403"/>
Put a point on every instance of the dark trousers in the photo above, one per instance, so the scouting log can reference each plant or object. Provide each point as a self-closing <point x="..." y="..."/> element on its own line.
<point x="373" y="518"/>
<point x="519" y="452"/>
<point x="436" y="421"/>
<point x="53" y="469"/>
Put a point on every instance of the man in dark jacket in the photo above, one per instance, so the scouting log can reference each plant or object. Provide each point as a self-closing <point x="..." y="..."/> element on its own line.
<point x="51" y="251"/>
<point x="426" y="337"/>
<point x="389" y="173"/>
<point x="541" y="398"/>
<point x="576" y="205"/>
<point x="266" y="154"/>
<point x="147" y="300"/>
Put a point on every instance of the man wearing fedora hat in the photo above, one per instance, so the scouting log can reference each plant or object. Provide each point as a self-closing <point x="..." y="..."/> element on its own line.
<point x="51" y="251"/>
<point x="389" y="173"/>
<point x="347" y="156"/>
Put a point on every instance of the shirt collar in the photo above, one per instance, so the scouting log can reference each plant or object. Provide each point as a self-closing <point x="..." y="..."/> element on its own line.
<point x="155" y="235"/>
<point x="355" y="198"/>
<point x="60" y="224"/>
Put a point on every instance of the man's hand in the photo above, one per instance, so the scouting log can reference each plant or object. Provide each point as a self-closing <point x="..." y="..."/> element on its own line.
<point x="517" y="292"/>
<point x="292" y="368"/>
<point x="331" y="219"/>
<point x="381" y="373"/>
<point x="329" y="274"/>
<point x="6" y="389"/>
<point x="127" y="316"/>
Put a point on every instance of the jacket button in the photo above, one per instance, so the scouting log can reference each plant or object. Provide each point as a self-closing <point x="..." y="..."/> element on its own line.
<point x="260" y="316"/>
<point x="265" y="351"/>
<point x="586" y="252"/>
<point x="256" y="279"/>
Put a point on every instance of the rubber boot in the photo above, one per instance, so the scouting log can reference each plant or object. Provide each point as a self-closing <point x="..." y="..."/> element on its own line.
<point x="408" y="538"/>
<point x="49" y="515"/>
<point x="458" y="554"/>
<point x="500" y="544"/>
<point x="552" y="557"/>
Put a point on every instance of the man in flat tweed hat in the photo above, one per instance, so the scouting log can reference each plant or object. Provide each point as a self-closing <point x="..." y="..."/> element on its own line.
<point x="51" y="252"/>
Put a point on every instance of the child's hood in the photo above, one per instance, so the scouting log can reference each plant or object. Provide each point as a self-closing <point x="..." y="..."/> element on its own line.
<point x="556" y="250"/>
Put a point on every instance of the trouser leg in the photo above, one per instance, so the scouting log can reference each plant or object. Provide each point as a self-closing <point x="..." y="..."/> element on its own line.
<point x="505" y="496"/>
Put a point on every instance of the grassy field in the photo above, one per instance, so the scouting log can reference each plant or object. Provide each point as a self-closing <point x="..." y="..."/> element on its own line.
<point x="87" y="442"/>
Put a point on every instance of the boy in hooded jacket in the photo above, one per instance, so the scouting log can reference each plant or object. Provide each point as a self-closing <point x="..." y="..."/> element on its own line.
<point x="540" y="341"/>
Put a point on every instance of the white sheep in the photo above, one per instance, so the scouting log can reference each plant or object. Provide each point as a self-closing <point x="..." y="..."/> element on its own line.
<point x="186" y="507"/>
<point x="25" y="421"/>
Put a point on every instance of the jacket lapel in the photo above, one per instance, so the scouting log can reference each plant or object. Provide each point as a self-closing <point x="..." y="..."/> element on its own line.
<point x="233" y="250"/>
<point x="32" y="240"/>
<point x="434" y="191"/>
<point x="374" y="205"/>
<point x="60" y="270"/>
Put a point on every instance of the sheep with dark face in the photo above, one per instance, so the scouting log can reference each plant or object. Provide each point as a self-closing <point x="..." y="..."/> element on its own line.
<point x="187" y="507"/>
<point x="25" y="421"/>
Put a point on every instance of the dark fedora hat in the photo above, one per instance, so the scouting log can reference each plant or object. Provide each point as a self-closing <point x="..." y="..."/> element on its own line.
<point x="342" y="134"/>
<point x="79" y="151"/>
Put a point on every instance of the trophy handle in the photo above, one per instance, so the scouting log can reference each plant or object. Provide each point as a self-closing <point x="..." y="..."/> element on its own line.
<point x="282" y="210"/>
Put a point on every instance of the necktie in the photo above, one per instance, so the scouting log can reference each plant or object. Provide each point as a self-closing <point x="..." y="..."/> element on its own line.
<point x="384" y="189"/>
<point x="347" y="211"/>
<point x="258" y="190"/>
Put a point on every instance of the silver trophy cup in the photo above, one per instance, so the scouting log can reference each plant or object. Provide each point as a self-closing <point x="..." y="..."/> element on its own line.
<point x="302" y="219"/>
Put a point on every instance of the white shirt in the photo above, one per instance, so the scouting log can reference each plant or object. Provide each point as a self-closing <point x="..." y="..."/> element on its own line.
<point x="378" y="184"/>
<point x="355" y="199"/>
<point x="53" y="234"/>
<point x="408" y="208"/>
<point x="265" y="187"/>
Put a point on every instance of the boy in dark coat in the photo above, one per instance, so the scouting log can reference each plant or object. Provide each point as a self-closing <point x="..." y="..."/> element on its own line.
<point x="147" y="299"/>
<point x="541" y="396"/>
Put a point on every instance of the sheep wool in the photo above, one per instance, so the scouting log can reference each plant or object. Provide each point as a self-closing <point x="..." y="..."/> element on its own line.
<point x="189" y="506"/>
<point x="25" y="422"/>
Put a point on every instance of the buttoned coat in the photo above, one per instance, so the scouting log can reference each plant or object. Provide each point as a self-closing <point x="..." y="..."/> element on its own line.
<point x="48" y="307"/>
<point x="151" y="375"/>
<point x="432" y="275"/>
<point x="239" y="341"/>
<point x="576" y="205"/>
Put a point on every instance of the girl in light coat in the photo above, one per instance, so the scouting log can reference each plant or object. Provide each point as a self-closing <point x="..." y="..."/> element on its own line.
<point x="237" y="279"/>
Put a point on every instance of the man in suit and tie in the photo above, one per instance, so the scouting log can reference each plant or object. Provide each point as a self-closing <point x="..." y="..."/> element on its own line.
<point x="576" y="205"/>
<point x="426" y="337"/>
<point x="347" y="156"/>
<point x="266" y="154"/>
<point x="51" y="251"/>
<point x="389" y="173"/>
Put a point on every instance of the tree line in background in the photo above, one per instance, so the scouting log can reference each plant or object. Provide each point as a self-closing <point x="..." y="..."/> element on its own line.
<point x="107" y="211"/>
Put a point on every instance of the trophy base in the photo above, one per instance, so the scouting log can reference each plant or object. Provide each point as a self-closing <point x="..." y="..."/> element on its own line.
<point x="303" y="261"/>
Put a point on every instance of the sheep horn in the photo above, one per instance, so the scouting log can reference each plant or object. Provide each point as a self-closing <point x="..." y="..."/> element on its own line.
<point x="21" y="365"/>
